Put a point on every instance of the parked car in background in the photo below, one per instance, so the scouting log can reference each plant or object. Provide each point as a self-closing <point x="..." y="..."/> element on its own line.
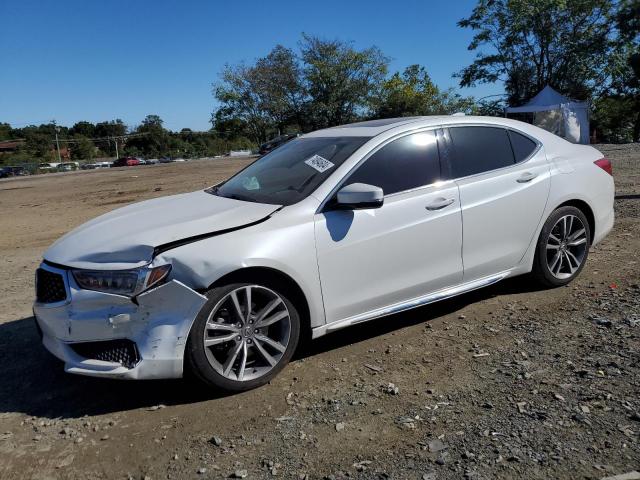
<point x="13" y="171"/>
<point x="68" y="166"/>
<point x="126" y="162"/>
<point x="48" y="166"/>
<point x="166" y="160"/>
<point x="276" y="142"/>
<point x="152" y="161"/>
<point x="332" y="229"/>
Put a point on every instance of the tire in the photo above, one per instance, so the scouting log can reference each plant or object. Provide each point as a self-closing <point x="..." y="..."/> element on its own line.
<point x="258" y="360"/>
<point x="570" y="249"/>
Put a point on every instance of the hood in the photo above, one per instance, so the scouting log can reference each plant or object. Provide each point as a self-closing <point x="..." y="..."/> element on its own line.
<point x="128" y="236"/>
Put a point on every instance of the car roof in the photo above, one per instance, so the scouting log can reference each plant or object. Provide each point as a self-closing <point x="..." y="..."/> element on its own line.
<point x="372" y="128"/>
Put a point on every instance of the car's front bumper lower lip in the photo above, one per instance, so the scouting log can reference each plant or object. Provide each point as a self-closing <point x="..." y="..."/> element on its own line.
<point x="158" y="325"/>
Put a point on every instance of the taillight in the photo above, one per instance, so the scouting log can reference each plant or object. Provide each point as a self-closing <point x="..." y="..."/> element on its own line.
<point x="605" y="164"/>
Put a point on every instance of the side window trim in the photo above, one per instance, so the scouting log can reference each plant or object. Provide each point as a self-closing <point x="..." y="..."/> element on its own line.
<point x="504" y="127"/>
<point x="342" y="182"/>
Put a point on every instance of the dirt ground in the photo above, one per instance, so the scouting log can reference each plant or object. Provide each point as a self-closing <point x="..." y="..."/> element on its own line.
<point x="506" y="382"/>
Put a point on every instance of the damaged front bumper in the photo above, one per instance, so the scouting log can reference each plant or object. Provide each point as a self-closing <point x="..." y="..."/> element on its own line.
<point x="105" y="335"/>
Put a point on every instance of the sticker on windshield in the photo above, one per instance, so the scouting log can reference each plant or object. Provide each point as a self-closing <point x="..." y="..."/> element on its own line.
<point x="319" y="163"/>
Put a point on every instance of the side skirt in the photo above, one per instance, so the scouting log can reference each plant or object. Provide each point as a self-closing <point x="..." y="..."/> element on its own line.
<point x="408" y="305"/>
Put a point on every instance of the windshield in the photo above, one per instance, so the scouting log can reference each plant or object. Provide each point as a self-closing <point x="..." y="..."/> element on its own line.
<point x="291" y="172"/>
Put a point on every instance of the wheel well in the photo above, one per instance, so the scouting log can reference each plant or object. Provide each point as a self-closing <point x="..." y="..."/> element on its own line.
<point x="270" y="276"/>
<point x="586" y="209"/>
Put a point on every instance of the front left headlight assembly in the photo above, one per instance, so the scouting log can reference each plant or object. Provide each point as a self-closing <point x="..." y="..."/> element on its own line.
<point x="121" y="282"/>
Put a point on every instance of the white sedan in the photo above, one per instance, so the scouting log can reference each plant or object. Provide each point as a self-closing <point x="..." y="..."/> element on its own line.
<point x="334" y="228"/>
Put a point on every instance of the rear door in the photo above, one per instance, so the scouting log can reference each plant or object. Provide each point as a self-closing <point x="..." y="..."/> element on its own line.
<point x="504" y="182"/>
<point x="411" y="246"/>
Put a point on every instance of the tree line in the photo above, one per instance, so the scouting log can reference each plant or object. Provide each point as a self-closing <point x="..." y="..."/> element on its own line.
<point x="585" y="49"/>
<point x="88" y="141"/>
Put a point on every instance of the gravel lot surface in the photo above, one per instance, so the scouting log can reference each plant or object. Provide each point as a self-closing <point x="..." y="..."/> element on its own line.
<point x="506" y="382"/>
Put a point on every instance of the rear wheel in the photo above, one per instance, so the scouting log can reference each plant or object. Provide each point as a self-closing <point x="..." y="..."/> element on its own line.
<point x="243" y="336"/>
<point x="563" y="247"/>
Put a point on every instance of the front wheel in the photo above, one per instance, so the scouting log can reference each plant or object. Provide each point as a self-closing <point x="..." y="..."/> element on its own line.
<point x="243" y="336"/>
<point x="563" y="247"/>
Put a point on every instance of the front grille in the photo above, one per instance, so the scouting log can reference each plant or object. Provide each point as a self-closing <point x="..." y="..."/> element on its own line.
<point x="49" y="287"/>
<point x="123" y="352"/>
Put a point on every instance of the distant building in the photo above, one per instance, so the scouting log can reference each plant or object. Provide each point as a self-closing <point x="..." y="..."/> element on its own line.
<point x="10" y="146"/>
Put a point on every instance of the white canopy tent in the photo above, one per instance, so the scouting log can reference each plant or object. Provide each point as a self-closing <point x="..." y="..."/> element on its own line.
<point x="558" y="114"/>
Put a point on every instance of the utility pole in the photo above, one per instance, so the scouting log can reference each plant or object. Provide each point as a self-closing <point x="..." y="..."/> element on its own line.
<point x="57" y="129"/>
<point x="115" y="139"/>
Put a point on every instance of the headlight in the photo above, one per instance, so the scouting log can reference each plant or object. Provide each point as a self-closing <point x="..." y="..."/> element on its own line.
<point x="121" y="282"/>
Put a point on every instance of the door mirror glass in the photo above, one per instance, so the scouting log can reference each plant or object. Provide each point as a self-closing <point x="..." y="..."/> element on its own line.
<point x="359" y="196"/>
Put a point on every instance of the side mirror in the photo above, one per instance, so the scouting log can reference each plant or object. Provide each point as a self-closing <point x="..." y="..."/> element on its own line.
<point x="358" y="196"/>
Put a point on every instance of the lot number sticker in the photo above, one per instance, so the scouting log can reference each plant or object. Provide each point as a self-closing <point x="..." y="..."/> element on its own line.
<point x="319" y="163"/>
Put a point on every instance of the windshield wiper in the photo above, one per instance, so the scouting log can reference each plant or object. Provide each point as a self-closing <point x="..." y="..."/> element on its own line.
<point x="235" y="196"/>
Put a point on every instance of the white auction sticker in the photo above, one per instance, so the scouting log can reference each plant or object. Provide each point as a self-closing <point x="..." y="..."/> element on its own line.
<point x="319" y="163"/>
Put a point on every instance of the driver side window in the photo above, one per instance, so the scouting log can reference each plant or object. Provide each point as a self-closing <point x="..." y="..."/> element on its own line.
<point x="406" y="163"/>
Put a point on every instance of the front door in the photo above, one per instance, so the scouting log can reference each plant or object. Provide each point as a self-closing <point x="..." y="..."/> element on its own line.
<point x="411" y="246"/>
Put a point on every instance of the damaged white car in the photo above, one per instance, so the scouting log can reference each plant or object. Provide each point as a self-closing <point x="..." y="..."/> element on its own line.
<point x="334" y="228"/>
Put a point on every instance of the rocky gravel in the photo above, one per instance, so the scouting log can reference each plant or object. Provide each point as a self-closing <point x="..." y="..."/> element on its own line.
<point x="506" y="382"/>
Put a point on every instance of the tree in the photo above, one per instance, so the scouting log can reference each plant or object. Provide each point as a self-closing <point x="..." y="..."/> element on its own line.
<point x="328" y="83"/>
<point x="86" y="129"/>
<point x="342" y="82"/>
<point x="262" y="96"/>
<point x="5" y="131"/>
<point x="626" y="79"/>
<point x="534" y="43"/>
<point x="153" y="142"/>
<point x="412" y="93"/>
<point x="82" y="148"/>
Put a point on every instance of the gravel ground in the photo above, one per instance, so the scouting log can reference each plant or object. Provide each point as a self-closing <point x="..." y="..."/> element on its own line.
<point x="506" y="382"/>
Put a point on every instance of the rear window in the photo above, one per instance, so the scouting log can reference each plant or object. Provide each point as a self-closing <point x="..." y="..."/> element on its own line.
<point x="522" y="146"/>
<point x="479" y="149"/>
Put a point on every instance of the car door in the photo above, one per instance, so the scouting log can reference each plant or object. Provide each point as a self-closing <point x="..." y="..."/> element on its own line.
<point x="379" y="257"/>
<point x="504" y="182"/>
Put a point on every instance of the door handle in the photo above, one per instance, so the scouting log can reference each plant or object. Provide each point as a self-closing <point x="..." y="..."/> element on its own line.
<point x="440" y="203"/>
<point x="526" y="177"/>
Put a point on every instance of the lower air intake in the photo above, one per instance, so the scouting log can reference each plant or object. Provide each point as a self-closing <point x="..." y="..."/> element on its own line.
<point x="123" y="352"/>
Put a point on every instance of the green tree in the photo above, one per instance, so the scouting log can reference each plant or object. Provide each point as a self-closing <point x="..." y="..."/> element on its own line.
<point x="82" y="148"/>
<point x="265" y="96"/>
<point x="328" y="83"/>
<point x="153" y="141"/>
<point x="412" y="93"/>
<point x="534" y="43"/>
<point x="86" y="129"/>
<point x="341" y="81"/>
<point x="5" y="131"/>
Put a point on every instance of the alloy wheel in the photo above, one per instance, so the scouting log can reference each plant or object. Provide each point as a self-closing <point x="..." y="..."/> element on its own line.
<point x="566" y="246"/>
<point x="247" y="333"/>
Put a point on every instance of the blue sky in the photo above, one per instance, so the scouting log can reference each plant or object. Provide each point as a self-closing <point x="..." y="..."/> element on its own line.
<point x="72" y="60"/>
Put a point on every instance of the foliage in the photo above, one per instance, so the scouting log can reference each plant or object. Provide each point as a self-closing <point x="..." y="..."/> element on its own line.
<point x="82" y="148"/>
<point x="412" y="93"/>
<point x="340" y="81"/>
<point x="534" y="43"/>
<point x="327" y="83"/>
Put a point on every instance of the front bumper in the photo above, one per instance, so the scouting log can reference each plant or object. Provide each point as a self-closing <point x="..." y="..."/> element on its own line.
<point x="158" y="325"/>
